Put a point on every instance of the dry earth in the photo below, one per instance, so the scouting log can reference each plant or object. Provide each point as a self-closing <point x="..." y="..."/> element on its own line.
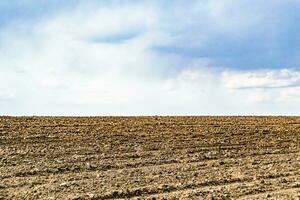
<point x="150" y="158"/>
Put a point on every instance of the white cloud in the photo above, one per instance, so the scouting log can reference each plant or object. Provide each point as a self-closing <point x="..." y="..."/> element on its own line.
<point x="100" y="22"/>
<point x="261" y="79"/>
<point x="69" y="64"/>
<point x="228" y="18"/>
<point x="6" y="96"/>
<point x="291" y="95"/>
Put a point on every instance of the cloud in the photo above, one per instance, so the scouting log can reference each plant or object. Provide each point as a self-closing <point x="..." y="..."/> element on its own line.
<point x="141" y="59"/>
<point x="291" y="95"/>
<point x="261" y="79"/>
<point x="101" y="22"/>
<point x="6" y="96"/>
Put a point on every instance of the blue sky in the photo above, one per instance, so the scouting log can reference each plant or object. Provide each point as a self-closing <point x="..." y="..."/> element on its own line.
<point x="133" y="57"/>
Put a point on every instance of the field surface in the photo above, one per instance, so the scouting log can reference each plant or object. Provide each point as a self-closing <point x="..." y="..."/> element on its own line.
<point x="150" y="158"/>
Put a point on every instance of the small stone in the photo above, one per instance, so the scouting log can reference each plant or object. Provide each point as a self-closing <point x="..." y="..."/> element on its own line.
<point x="91" y="195"/>
<point x="64" y="184"/>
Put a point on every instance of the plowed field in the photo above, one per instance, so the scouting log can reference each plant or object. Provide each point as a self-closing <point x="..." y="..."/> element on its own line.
<point x="150" y="157"/>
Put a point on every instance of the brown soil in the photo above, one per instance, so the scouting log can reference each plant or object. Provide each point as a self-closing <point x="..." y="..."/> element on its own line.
<point x="150" y="158"/>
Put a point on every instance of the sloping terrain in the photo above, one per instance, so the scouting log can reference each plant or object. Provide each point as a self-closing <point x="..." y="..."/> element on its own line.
<point x="150" y="157"/>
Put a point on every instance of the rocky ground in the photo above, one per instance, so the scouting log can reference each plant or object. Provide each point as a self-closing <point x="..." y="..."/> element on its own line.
<point x="150" y="157"/>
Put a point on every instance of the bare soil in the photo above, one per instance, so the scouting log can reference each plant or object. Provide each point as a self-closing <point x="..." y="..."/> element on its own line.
<point x="149" y="157"/>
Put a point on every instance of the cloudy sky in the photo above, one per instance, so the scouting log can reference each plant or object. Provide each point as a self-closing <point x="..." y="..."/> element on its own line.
<point x="131" y="57"/>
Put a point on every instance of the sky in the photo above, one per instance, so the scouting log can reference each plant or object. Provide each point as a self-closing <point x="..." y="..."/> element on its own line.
<point x="134" y="57"/>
